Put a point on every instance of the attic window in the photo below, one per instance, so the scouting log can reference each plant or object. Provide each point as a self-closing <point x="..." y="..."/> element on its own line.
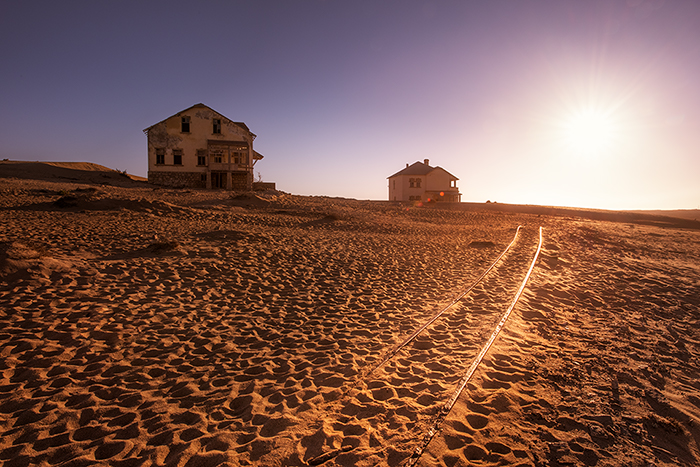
<point x="217" y="126"/>
<point x="185" y="125"/>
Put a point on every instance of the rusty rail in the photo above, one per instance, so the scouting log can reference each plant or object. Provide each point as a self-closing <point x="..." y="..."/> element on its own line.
<point x="435" y="427"/>
<point x="432" y="319"/>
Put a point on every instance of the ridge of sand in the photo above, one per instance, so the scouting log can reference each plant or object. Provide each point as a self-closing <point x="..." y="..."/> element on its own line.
<point x="191" y="327"/>
<point x="82" y="172"/>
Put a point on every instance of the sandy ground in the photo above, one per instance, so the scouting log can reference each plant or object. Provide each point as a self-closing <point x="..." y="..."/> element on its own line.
<point x="143" y="326"/>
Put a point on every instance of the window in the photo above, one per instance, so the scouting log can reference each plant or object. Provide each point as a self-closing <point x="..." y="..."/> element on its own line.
<point x="453" y="184"/>
<point x="160" y="156"/>
<point x="411" y="182"/>
<point x="418" y="183"/>
<point x="218" y="157"/>
<point x="217" y="126"/>
<point x="201" y="157"/>
<point x="204" y="178"/>
<point x="185" y="127"/>
<point x="177" y="156"/>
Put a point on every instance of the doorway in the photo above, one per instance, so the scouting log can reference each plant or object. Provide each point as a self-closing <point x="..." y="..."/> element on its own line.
<point x="218" y="180"/>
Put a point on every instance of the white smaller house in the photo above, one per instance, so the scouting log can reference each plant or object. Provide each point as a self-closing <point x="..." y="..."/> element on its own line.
<point x="421" y="183"/>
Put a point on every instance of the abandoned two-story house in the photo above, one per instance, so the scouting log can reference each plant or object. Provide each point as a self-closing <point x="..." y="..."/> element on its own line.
<point x="420" y="182"/>
<point x="200" y="148"/>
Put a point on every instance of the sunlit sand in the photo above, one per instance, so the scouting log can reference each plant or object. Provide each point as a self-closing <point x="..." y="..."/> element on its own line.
<point x="146" y="326"/>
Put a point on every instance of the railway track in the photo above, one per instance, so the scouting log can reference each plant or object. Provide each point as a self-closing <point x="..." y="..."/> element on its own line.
<point x="462" y="349"/>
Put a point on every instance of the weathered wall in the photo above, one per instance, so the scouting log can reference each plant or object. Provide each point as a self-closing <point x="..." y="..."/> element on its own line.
<point x="440" y="181"/>
<point x="263" y="186"/>
<point x="177" y="179"/>
<point x="241" y="181"/>
<point x="400" y="187"/>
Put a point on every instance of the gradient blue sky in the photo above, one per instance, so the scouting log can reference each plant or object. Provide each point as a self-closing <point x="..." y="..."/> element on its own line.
<point x="342" y="94"/>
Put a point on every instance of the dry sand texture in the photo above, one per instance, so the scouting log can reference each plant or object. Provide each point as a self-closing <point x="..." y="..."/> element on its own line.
<point x="169" y="327"/>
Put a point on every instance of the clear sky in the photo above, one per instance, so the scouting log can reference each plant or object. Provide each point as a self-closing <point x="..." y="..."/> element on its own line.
<point x="564" y="102"/>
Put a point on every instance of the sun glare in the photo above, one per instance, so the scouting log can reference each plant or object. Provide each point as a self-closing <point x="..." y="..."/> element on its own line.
<point x="589" y="132"/>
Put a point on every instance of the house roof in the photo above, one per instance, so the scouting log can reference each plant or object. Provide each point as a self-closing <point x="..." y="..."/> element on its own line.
<point x="419" y="168"/>
<point x="202" y="106"/>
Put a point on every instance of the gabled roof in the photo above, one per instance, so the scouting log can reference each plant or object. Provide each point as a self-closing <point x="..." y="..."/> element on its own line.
<point x="202" y="106"/>
<point x="419" y="168"/>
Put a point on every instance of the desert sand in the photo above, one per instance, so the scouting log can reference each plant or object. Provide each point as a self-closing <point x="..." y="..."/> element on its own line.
<point x="150" y="326"/>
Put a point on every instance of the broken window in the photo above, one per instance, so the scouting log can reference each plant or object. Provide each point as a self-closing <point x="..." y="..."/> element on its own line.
<point x="217" y="126"/>
<point x="177" y="156"/>
<point x="239" y="158"/>
<point x="160" y="156"/>
<point x="185" y="125"/>
<point x="201" y="157"/>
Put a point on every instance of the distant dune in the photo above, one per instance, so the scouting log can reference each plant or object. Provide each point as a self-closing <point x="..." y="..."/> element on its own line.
<point x="692" y="214"/>
<point x="85" y="172"/>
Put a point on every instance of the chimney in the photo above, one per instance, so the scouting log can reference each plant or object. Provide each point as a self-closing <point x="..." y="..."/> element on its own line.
<point x="426" y="162"/>
<point x="406" y="164"/>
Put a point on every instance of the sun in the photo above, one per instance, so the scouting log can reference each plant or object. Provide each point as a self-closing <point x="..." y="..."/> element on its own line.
<point x="589" y="132"/>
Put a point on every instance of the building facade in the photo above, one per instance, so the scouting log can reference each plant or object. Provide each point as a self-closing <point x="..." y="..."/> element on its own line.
<point x="420" y="182"/>
<point x="200" y="148"/>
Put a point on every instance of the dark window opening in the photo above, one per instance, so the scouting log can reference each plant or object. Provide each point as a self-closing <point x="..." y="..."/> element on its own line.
<point x="201" y="157"/>
<point x="160" y="156"/>
<point x="185" y="124"/>
<point x="217" y="126"/>
<point x="177" y="156"/>
<point x="218" y="180"/>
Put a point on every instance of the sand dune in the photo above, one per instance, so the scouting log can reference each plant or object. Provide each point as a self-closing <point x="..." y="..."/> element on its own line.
<point x="144" y="326"/>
